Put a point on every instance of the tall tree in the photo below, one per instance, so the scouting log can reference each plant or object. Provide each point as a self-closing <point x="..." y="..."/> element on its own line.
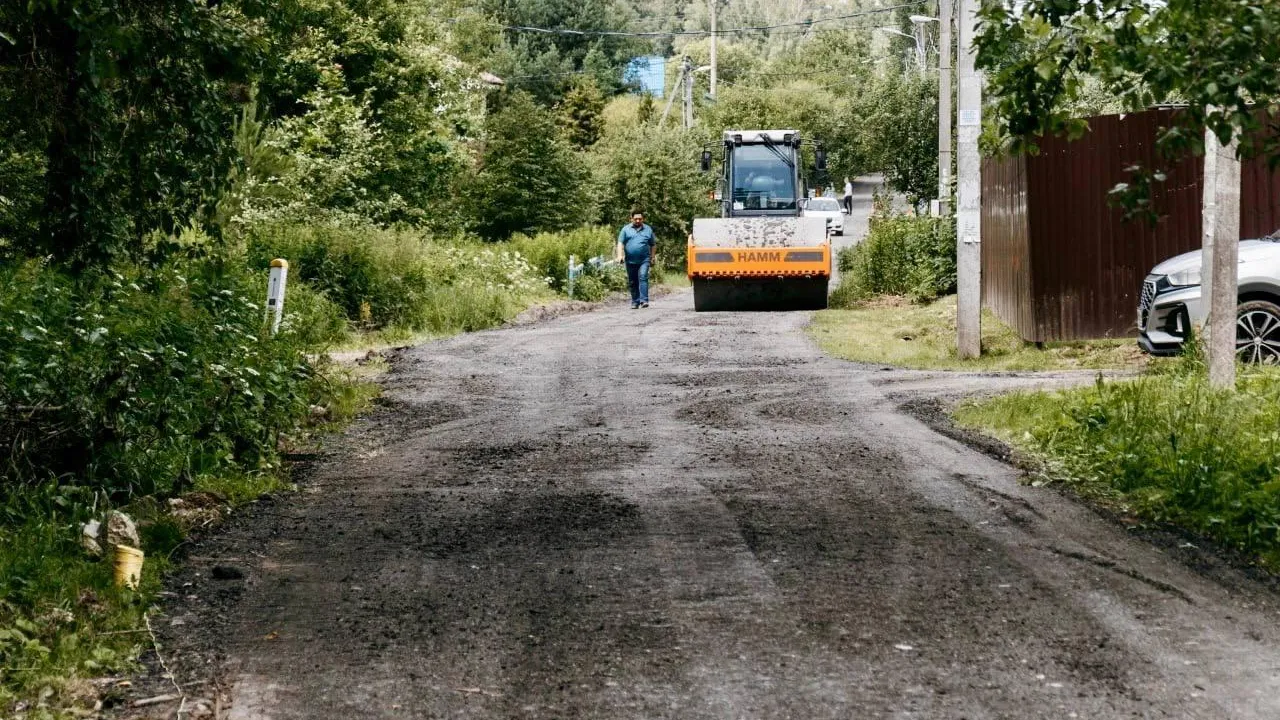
<point x="1217" y="56"/>
<point x="529" y="178"/>
<point x="580" y="113"/>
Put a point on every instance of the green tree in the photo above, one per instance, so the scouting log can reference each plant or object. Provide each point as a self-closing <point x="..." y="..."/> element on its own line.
<point x="580" y="113"/>
<point x="529" y="178"/>
<point x="802" y="105"/>
<point x="386" y="65"/>
<point x="539" y="62"/>
<point x="113" y="118"/>
<point x="899" y="119"/>
<point x="1217" y="56"/>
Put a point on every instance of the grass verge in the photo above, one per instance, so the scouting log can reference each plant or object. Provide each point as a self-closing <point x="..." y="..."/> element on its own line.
<point x="66" y="629"/>
<point x="1165" y="448"/>
<point x="894" y="331"/>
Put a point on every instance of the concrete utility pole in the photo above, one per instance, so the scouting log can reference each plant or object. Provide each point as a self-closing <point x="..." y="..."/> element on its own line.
<point x="944" y="107"/>
<point x="1220" y="215"/>
<point x="969" y="191"/>
<point x="686" y="69"/>
<point x="715" y="5"/>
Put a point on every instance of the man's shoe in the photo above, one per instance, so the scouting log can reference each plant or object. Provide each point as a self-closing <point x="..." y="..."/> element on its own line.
<point x="644" y="305"/>
<point x="635" y="306"/>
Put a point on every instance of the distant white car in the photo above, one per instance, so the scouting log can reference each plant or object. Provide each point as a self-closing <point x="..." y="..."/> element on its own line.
<point x="826" y="207"/>
<point x="1170" y="303"/>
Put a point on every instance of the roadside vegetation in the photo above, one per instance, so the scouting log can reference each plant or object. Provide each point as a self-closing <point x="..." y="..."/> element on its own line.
<point x="902" y="255"/>
<point x="895" y="331"/>
<point x="1164" y="448"/>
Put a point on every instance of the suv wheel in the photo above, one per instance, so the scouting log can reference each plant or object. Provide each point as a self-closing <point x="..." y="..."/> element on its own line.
<point x="1258" y="332"/>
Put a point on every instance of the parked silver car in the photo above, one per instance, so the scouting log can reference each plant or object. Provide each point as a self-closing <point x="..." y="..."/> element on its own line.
<point x="826" y="207"/>
<point x="1170" y="302"/>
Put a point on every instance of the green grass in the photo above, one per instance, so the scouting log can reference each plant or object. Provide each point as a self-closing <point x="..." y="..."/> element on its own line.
<point x="1164" y="448"/>
<point x="891" y="331"/>
<point x="62" y="619"/>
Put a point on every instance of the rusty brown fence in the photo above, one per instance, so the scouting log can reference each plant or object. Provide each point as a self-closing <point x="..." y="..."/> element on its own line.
<point x="1059" y="262"/>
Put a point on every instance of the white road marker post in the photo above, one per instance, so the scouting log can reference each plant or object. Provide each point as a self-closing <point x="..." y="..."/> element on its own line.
<point x="275" y="292"/>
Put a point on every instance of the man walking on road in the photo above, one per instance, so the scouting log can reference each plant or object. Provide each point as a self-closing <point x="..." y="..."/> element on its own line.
<point x="637" y="246"/>
<point x="848" y="197"/>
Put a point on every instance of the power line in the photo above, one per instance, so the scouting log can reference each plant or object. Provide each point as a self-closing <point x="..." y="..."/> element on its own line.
<point x="803" y="26"/>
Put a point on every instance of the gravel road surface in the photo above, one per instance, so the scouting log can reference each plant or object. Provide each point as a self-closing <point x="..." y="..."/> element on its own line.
<point x="662" y="514"/>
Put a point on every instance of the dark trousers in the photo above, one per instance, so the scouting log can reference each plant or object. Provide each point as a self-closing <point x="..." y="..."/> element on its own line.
<point x="638" y="281"/>
<point x="848" y="204"/>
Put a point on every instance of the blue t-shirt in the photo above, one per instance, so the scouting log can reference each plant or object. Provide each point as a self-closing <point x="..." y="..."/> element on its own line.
<point x="636" y="243"/>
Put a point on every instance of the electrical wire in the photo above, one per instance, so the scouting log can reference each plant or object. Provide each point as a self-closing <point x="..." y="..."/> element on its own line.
<point x="803" y="26"/>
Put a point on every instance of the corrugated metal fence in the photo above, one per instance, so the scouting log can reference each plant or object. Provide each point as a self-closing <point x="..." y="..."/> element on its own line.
<point x="1059" y="262"/>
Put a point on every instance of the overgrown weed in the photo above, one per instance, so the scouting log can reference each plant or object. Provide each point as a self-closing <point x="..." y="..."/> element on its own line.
<point x="1165" y="447"/>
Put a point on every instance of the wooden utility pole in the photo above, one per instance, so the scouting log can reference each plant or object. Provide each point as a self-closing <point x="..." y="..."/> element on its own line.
<point x="968" y="190"/>
<point x="671" y="98"/>
<point x="686" y="69"/>
<point x="1220" y="213"/>
<point x="944" y="107"/>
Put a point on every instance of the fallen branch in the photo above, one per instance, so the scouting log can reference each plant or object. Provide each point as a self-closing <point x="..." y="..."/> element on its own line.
<point x="157" y="700"/>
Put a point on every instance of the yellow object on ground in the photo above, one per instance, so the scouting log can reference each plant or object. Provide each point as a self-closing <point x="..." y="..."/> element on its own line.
<point x="128" y="563"/>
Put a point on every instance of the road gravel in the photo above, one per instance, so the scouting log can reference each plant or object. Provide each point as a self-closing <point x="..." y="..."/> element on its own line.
<point x="667" y="514"/>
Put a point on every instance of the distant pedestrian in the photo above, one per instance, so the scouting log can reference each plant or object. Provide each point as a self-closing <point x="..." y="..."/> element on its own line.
<point x="637" y="247"/>
<point x="848" y="197"/>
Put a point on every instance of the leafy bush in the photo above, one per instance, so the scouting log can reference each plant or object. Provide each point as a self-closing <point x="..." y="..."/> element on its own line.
<point x="400" y="279"/>
<point x="901" y="255"/>
<point x="138" y="381"/>
<point x="1165" y="446"/>
<point x="549" y="252"/>
<point x="596" y="283"/>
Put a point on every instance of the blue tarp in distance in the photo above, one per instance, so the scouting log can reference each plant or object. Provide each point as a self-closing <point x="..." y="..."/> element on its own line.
<point x="648" y="73"/>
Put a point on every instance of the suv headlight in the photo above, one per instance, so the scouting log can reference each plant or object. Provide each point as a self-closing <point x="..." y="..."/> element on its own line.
<point x="1185" y="278"/>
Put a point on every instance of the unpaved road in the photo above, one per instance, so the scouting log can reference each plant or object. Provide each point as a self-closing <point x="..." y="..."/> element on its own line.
<point x="663" y="514"/>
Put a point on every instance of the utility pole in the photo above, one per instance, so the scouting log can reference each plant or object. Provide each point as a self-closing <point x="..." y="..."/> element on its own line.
<point x="671" y="98"/>
<point x="917" y="30"/>
<point x="715" y="5"/>
<point x="686" y="69"/>
<point x="1220" y="220"/>
<point x="969" y="191"/>
<point x="944" y="107"/>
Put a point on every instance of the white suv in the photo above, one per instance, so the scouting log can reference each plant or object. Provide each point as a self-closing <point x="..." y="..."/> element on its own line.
<point x="829" y="208"/>
<point x="1170" y="303"/>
